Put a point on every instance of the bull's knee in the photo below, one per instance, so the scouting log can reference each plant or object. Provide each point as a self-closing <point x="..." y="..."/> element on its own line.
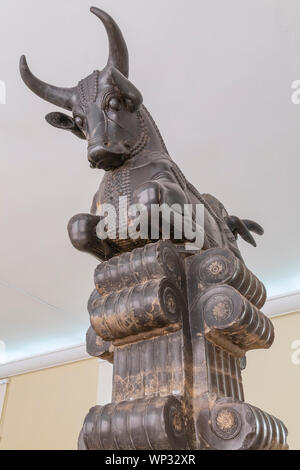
<point x="82" y="231"/>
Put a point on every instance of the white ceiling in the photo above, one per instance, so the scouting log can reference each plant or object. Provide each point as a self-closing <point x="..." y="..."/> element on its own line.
<point x="217" y="78"/>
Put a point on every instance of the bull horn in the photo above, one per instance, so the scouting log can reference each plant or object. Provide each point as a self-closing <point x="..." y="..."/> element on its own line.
<point x="118" y="53"/>
<point x="63" y="97"/>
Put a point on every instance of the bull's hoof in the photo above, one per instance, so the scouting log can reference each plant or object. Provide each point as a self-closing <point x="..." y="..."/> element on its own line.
<point x="82" y="233"/>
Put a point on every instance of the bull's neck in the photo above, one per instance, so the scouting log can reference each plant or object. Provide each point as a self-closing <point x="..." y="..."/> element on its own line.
<point x="154" y="141"/>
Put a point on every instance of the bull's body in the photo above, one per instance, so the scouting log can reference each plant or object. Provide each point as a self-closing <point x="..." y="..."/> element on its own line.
<point x="124" y="141"/>
<point x="153" y="164"/>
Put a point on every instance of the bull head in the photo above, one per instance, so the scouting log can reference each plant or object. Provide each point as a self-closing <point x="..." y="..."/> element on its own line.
<point x="105" y="105"/>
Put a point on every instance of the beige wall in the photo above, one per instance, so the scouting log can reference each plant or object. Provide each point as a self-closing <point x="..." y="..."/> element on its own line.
<point x="45" y="410"/>
<point x="272" y="377"/>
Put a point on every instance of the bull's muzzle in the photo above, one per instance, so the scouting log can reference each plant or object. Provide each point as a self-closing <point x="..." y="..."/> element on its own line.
<point x="104" y="159"/>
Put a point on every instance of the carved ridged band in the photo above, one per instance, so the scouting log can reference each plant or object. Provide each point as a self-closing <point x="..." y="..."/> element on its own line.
<point x="145" y="424"/>
<point x="153" y="261"/>
<point x="144" y="307"/>
<point x="220" y="266"/>
<point x="229" y="315"/>
<point x="236" y="425"/>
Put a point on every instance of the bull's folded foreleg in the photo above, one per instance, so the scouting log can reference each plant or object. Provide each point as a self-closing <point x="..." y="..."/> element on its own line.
<point x="82" y="233"/>
<point x="160" y="192"/>
<point x="163" y="193"/>
<point x="243" y="228"/>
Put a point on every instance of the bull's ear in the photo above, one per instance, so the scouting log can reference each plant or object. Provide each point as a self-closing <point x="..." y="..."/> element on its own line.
<point x="61" y="121"/>
<point x="65" y="122"/>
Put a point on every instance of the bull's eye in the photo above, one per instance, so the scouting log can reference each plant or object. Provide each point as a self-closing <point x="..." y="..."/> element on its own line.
<point x="114" y="104"/>
<point x="79" y="121"/>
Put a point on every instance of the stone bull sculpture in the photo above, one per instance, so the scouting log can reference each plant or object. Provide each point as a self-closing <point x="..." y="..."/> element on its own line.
<point x="123" y="139"/>
<point x="176" y="326"/>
